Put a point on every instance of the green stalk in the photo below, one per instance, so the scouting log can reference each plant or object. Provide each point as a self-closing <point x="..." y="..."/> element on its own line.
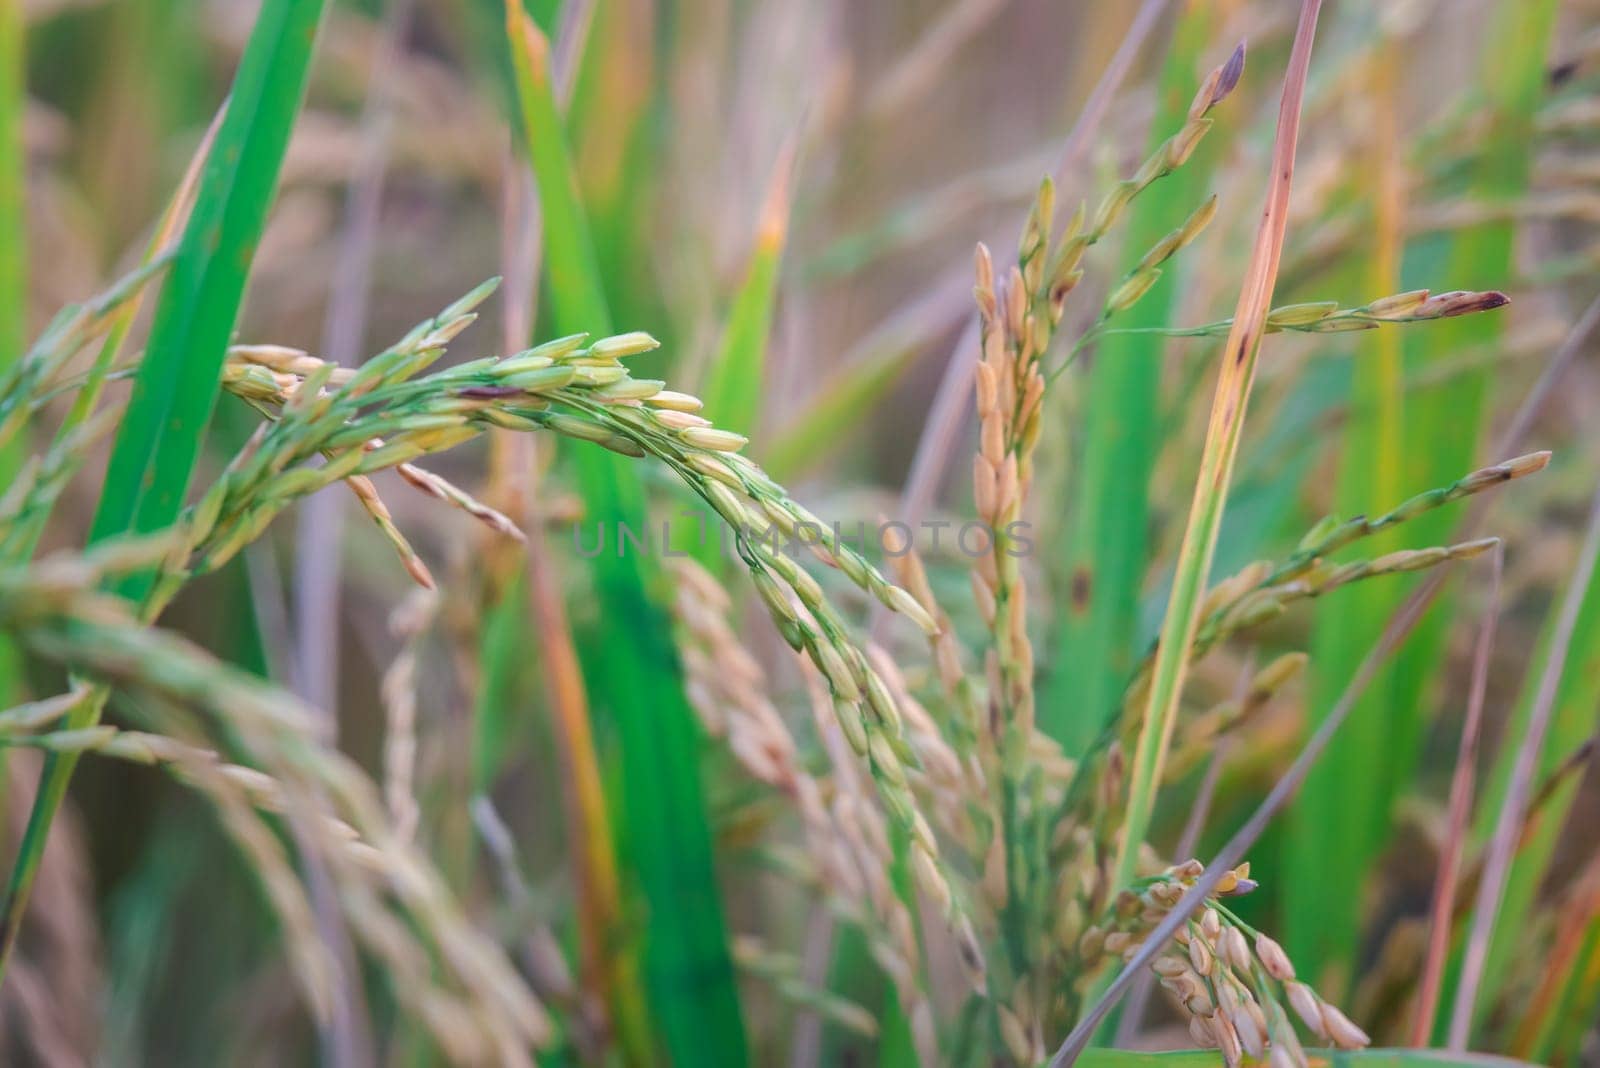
<point x="628" y="656"/>
<point x="1236" y="377"/>
<point x="176" y="387"/>
<point x="1096" y="644"/>
<point x="1341" y="818"/>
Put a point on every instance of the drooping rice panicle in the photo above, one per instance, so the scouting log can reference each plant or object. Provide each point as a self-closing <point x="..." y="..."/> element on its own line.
<point x="54" y="610"/>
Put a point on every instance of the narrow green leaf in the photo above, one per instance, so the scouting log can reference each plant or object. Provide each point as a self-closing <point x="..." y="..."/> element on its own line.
<point x="176" y="388"/>
<point x="628" y="657"/>
<point x="1235" y="379"/>
<point x="175" y="391"/>
<point x="1097" y="639"/>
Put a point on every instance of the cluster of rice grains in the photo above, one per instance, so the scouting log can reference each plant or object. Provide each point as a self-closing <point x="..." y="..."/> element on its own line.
<point x="1226" y="976"/>
<point x="1035" y="832"/>
<point x="386" y="414"/>
<point x="449" y="976"/>
<point x="380" y="416"/>
<point x="1010" y="842"/>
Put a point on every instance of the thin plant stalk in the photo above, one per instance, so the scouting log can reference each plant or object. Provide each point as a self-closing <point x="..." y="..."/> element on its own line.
<point x="1530" y="746"/>
<point x="1216" y="463"/>
<point x="1442" y="907"/>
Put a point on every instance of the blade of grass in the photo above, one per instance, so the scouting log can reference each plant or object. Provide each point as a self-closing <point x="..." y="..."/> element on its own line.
<point x="511" y="455"/>
<point x="843" y="404"/>
<point x="1107" y="543"/>
<point x="607" y="976"/>
<point x="1216" y="462"/>
<point x="607" y="973"/>
<point x="632" y="666"/>
<point x="1343" y="815"/>
<point x="1194" y="825"/>
<point x="175" y="390"/>
<point x="176" y="387"/>
<point x="1509" y="800"/>
<point x="1442" y="908"/>
<point x="1580" y="999"/>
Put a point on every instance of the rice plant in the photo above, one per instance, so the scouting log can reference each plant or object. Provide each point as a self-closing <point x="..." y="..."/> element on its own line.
<point x="1251" y="731"/>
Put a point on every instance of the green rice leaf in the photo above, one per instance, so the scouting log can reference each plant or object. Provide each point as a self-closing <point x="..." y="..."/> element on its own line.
<point x="1097" y="639"/>
<point x="176" y="387"/>
<point x="629" y="659"/>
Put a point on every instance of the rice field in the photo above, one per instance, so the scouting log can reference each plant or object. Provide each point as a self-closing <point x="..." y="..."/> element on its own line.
<point x="741" y="532"/>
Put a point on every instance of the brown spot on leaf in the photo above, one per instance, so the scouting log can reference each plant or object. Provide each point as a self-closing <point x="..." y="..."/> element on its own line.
<point x="1081" y="586"/>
